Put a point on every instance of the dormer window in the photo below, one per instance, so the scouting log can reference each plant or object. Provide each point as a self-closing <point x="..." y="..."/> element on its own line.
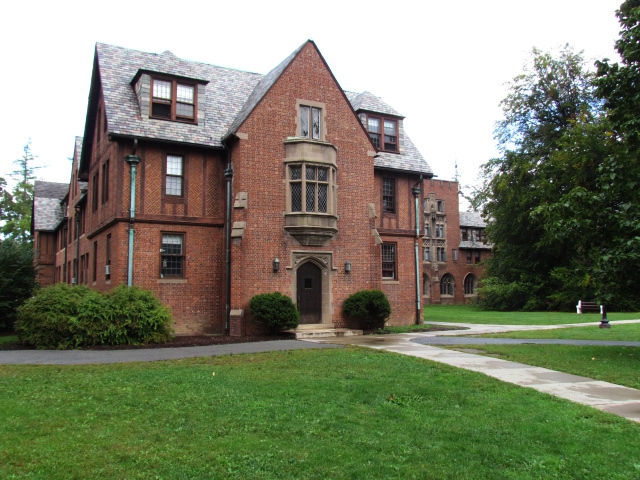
<point x="383" y="133"/>
<point x="173" y="100"/>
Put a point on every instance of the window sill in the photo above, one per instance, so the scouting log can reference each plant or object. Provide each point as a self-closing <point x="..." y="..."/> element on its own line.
<point x="390" y="282"/>
<point x="172" y="280"/>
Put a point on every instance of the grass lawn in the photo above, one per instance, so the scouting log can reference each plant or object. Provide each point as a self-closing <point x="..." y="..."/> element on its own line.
<point x="619" y="365"/>
<point x="624" y="332"/>
<point x="344" y="413"/>
<point x="468" y="314"/>
<point x="8" y="339"/>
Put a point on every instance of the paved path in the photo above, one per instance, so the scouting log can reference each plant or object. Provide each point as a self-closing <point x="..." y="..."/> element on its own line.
<point x="79" y="357"/>
<point x="604" y="396"/>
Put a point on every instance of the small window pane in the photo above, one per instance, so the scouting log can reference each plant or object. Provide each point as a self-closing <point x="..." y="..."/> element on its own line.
<point x="184" y="94"/>
<point x="389" y="127"/>
<point x="311" y="197"/>
<point x="374" y="125"/>
<point x="315" y="112"/>
<point x="174" y="165"/>
<point x="311" y="173"/>
<point x="296" y="173"/>
<point x="162" y="89"/>
<point x="322" y="174"/>
<point x="174" y="185"/>
<point x="184" y="110"/>
<point x="161" y="110"/>
<point x="304" y="121"/>
<point x="296" y="197"/>
<point x="322" y="198"/>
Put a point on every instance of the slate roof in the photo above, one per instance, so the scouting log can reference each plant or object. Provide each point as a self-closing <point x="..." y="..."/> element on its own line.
<point x="368" y="101"/>
<point x="472" y="219"/>
<point x="225" y="94"/>
<point x="47" y="204"/>
<point x="230" y="96"/>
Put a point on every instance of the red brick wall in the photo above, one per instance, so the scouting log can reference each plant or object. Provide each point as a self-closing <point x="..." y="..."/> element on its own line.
<point x="259" y="170"/>
<point x="448" y="191"/>
<point x="399" y="228"/>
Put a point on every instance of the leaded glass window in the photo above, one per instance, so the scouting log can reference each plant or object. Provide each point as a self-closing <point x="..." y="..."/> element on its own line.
<point x="310" y="122"/>
<point x="310" y="185"/>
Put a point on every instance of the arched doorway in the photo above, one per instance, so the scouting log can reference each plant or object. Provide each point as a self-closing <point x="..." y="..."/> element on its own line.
<point x="309" y="293"/>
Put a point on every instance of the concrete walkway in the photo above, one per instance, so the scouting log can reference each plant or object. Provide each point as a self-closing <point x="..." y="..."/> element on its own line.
<point x="608" y="397"/>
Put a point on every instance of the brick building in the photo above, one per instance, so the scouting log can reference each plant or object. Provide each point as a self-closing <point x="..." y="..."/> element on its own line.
<point x="454" y="245"/>
<point x="209" y="185"/>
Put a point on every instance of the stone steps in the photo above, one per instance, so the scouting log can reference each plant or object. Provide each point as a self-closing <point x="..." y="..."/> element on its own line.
<point x="318" y="332"/>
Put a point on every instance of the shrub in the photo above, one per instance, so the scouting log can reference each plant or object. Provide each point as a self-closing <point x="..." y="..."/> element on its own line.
<point x="497" y="295"/>
<point x="17" y="279"/>
<point x="369" y="308"/>
<point x="64" y="316"/>
<point x="49" y="318"/>
<point x="137" y="317"/>
<point x="275" y="310"/>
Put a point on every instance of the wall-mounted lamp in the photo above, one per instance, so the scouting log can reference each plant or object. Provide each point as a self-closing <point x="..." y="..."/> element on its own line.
<point x="347" y="267"/>
<point x="276" y="264"/>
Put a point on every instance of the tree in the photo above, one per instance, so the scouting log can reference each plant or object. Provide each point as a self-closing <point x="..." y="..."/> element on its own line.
<point x="543" y="105"/>
<point x="16" y="207"/>
<point x="17" y="279"/>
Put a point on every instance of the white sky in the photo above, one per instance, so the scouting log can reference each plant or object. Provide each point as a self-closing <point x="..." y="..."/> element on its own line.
<point x="443" y="65"/>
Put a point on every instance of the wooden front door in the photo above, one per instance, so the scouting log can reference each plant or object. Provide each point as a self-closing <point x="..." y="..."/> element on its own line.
<point x="309" y="286"/>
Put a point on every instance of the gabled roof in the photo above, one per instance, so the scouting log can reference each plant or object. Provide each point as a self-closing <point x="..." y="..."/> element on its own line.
<point x="370" y="103"/>
<point x="230" y="96"/>
<point x="261" y="89"/>
<point x="472" y="219"/>
<point x="47" y="204"/>
<point x="226" y="92"/>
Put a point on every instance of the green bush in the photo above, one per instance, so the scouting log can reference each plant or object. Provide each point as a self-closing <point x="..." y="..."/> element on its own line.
<point x="500" y="296"/>
<point x="369" y="308"/>
<point x="64" y="316"/>
<point x="275" y="310"/>
<point x="17" y="279"/>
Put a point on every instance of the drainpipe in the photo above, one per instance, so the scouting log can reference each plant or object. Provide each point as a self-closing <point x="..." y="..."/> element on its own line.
<point x="416" y="194"/>
<point x="77" y="265"/>
<point x="133" y="160"/>
<point x="228" y="175"/>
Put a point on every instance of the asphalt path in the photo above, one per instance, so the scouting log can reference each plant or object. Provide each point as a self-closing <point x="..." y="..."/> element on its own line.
<point x="84" y="357"/>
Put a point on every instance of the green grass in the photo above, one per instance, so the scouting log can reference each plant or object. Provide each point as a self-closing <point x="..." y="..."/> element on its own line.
<point x="8" y="339"/>
<point x="617" y="365"/>
<point x="414" y="328"/>
<point x="315" y="414"/>
<point x="624" y="332"/>
<point x="468" y="314"/>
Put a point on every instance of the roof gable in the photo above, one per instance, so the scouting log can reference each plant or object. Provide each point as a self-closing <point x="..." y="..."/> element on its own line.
<point x="47" y="204"/>
<point x="229" y="98"/>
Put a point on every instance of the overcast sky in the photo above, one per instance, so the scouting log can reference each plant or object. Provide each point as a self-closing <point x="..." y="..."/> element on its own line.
<point x="443" y="65"/>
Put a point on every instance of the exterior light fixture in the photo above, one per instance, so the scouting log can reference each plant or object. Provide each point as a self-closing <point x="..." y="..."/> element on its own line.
<point x="347" y="267"/>
<point x="276" y="265"/>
